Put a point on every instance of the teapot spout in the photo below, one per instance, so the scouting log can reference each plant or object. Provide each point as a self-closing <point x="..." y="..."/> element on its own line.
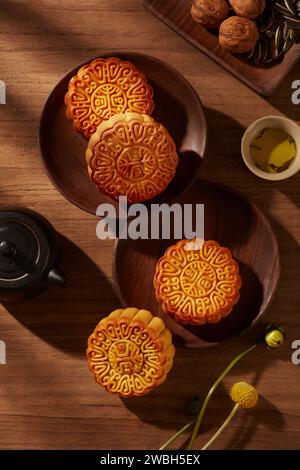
<point x="56" y="277"/>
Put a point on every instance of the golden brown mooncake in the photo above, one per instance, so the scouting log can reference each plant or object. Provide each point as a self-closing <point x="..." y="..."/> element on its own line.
<point x="130" y="352"/>
<point x="103" y="88"/>
<point x="131" y="155"/>
<point x="197" y="286"/>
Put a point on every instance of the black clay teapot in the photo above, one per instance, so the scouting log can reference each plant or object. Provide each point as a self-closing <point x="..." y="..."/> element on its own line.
<point x="28" y="255"/>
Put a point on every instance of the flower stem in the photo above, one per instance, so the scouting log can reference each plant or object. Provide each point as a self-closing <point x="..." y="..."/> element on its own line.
<point x="224" y="426"/>
<point x="178" y="433"/>
<point x="211" y="392"/>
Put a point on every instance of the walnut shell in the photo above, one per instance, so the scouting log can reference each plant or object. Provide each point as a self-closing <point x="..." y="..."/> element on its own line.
<point x="238" y="35"/>
<point x="248" y="8"/>
<point x="210" y="13"/>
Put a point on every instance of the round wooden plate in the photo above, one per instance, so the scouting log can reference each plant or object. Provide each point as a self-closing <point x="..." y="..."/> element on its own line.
<point x="177" y="107"/>
<point x="233" y="222"/>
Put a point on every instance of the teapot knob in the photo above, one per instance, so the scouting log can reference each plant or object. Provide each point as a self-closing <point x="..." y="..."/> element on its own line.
<point x="56" y="277"/>
<point x="7" y="248"/>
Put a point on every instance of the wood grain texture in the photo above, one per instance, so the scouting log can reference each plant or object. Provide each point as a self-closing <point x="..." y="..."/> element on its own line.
<point x="177" y="15"/>
<point x="48" y="398"/>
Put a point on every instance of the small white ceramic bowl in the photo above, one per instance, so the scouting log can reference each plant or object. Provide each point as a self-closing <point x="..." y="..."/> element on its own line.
<point x="271" y="121"/>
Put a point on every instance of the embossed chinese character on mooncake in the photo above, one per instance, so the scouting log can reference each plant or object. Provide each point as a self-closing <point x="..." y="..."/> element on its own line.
<point x="130" y="352"/>
<point x="197" y="286"/>
<point x="103" y="88"/>
<point x="131" y="155"/>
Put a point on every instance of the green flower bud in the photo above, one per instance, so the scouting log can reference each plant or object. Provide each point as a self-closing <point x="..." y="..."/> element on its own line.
<point x="193" y="406"/>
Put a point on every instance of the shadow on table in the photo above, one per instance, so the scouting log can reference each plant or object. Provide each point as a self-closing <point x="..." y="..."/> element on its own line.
<point x="281" y="99"/>
<point x="224" y="164"/>
<point x="193" y="373"/>
<point x="195" y="370"/>
<point x="223" y="155"/>
<point x="265" y="413"/>
<point x="65" y="317"/>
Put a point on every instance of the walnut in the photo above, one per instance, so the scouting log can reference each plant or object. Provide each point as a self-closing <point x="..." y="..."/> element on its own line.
<point x="248" y="8"/>
<point x="238" y="35"/>
<point x="210" y="13"/>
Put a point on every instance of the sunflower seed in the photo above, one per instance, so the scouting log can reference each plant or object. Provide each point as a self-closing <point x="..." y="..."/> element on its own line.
<point x="293" y="25"/>
<point x="278" y="37"/>
<point x="279" y="30"/>
<point x="287" y="45"/>
<point x="294" y="35"/>
<point x="289" y="5"/>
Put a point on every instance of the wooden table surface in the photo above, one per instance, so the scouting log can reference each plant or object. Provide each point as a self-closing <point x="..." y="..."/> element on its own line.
<point x="48" y="398"/>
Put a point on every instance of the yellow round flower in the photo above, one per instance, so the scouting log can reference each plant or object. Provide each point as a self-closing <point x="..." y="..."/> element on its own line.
<point x="244" y="394"/>
<point x="274" y="338"/>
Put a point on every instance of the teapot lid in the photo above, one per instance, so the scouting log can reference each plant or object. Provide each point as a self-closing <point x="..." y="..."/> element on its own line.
<point x="24" y="249"/>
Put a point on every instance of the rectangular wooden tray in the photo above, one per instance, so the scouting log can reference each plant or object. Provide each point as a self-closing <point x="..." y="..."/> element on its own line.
<point x="176" y="14"/>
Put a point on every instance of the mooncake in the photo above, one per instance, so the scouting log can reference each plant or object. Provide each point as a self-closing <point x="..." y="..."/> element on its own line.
<point x="130" y="352"/>
<point x="103" y="88"/>
<point x="197" y="286"/>
<point x="131" y="155"/>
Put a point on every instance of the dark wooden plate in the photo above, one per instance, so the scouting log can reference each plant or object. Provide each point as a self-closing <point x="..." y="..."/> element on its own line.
<point x="233" y="222"/>
<point x="176" y="14"/>
<point x="177" y="107"/>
